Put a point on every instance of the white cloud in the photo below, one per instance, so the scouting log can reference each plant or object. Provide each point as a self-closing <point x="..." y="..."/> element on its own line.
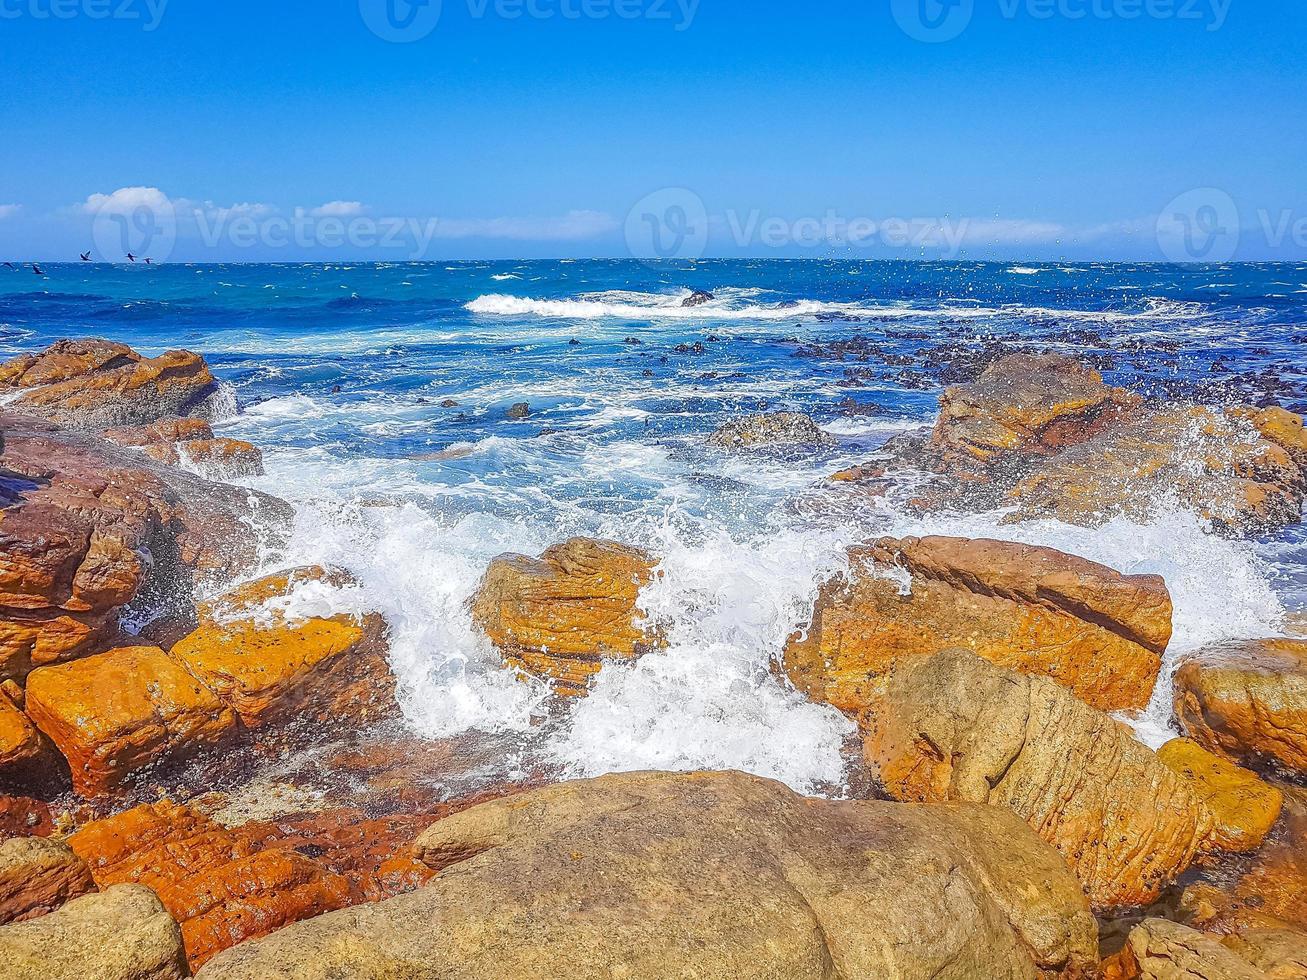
<point x="126" y="200"/>
<point x="217" y="212"/>
<point x="9" y="210"/>
<point x="339" y="209"/>
<point x="1010" y="231"/>
<point x="573" y="226"/>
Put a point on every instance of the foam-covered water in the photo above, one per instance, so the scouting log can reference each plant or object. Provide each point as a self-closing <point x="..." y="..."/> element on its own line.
<point x="343" y="376"/>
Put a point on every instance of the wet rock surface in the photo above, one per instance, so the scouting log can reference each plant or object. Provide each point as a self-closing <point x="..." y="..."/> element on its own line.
<point x="774" y="429"/>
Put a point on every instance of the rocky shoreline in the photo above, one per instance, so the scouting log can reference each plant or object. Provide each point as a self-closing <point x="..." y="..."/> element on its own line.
<point x="152" y="649"/>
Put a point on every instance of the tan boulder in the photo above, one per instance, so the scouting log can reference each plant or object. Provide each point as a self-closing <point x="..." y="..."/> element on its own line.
<point x="117" y="712"/>
<point x="37" y="876"/>
<point x="1244" y="806"/>
<point x="1036" y="610"/>
<point x="1158" y="949"/>
<point x="119" y="934"/>
<point x="952" y="726"/>
<point x="271" y="666"/>
<point x="561" y="615"/>
<point x="657" y="875"/>
<point x="95" y="385"/>
<point x="1247" y="702"/>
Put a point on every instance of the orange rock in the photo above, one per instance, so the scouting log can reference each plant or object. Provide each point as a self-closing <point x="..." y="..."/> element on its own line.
<point x="228" y="885"/>
<point x="1247" y="702"/>
<point x="92" y="385"/>
<point x="1039" y="611"/>
<point x="271" y="669"/>
<point x="164" y="431"/>
<point x="1244" y="806"/>
<point x="37" y="876"/>
<point x="220" y="458"/>
<point x="120" y="711"/>
<point x="561" y="615"/>
<point x="952" y="726"/>
<point x="20" y="742"/>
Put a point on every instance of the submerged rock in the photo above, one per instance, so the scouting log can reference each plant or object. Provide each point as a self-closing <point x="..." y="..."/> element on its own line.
<point x="561" y="615"/>
<point x="123" y="933"/>
<point x="95" y="384"/>
<point x="774" y="429"/>
<point x="955" y="727"/>
<point x="697" y="298"/>
<point x="1089" y="628"/>
<point x="518" y="410"/>
<point x="1247" y="702"/>
<point x="653" y="875"/>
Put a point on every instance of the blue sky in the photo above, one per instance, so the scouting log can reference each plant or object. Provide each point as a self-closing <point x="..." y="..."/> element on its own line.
<point x="1044" y="129"/>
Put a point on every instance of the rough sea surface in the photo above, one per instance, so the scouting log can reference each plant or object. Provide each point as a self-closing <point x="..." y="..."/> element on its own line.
<point x="340" y="372"/>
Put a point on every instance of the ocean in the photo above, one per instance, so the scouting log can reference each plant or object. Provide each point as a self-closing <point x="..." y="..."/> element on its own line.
<point x="345" y="373"/>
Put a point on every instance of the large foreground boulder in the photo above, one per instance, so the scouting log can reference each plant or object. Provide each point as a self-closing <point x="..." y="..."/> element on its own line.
<point x="955" y="727"/>
<point x="94" y="384"/>
<point x="273" y="662"/>
<point x="120" y="934"/>
<point x="115" y="713"/>
<point x="1247" y="702"/>
<point x="1094" y="631"/>
<point x="1045" y="435"/>
<point x="655" y="875"/>
<point x="561" y="615"/>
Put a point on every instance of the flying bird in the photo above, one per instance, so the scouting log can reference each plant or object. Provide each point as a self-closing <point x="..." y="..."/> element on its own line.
<point x="37" y="269"/>
<point x="131" y="257"/>
<point x="149" y="261"/>
<point x="86" y="256"/>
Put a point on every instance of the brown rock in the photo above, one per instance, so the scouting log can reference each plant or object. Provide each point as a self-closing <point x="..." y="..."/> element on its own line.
<point x="1044" y="434"/>
<point x="20" y="742"/>
<point x="120" y="934"/>
<point x="561" y="615"/>
<point x="217" y="458"/>
<point x="955" y="727"/>
<point x="21" y="816"/>
<point x="1244" y="806"/>
<point x="164" y="431"/>
<point x="93" y="385"/>
<point x="1247" y="702"/>
<point x="37" y="876"/>
<point x="1036" y="610"/>
<point x="121" y="711"/>
<point x="653" y="875"/>
<point x="221" y="886"/>
<point x="88" y="527"/>
<point x="270" y="669"/>
<point x="1280" y="954"/>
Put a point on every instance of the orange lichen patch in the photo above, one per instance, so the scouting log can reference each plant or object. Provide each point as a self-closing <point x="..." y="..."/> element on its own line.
<point x="63" y="361"/>
<point x="120" y="711"/>
<point x="221" y="887"/>
<point x="220" y="457"/>
<point x="561" y="615"/>
<point x="1244" y="806"/>
<point x="1039" y="611"/>
<point x="272" y="669"/>
<point x="20" y="742"/>
<point x="1247" y="702"/>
